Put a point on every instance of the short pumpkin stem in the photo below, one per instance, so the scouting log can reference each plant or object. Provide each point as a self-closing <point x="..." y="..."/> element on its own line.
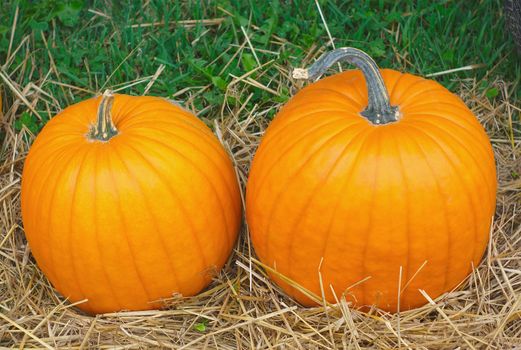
<point x="104" y="129"/>
<point x="379" y="109"/>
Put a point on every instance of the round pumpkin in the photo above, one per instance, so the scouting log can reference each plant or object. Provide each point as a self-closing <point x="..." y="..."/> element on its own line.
<point x="127" y="201"/>
<point x="373" y="185"/>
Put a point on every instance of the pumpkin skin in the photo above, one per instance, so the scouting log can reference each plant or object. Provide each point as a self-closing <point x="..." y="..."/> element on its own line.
<point x="329" y="189"/>
<point x="153" y="211"/>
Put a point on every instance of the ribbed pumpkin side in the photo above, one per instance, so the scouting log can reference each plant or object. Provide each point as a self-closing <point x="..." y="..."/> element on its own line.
<point x="153" y="211"/>
<point x="328" y="189"/>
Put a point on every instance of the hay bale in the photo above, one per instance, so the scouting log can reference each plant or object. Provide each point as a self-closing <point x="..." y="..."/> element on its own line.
<point x="242" y="308"/>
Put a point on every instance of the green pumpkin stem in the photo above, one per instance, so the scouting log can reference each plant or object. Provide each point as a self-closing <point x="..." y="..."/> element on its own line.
<point x="104" y="129"/>
<point x="379" y="109"/>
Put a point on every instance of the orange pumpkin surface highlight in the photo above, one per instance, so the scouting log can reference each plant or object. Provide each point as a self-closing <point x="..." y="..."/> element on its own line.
<point x="329" y="188"/>
<point x="148" y="209"/>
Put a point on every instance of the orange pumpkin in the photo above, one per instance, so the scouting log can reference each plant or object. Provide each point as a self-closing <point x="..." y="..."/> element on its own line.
<point x="125" y="210"/>
<point x="365" y="174"/>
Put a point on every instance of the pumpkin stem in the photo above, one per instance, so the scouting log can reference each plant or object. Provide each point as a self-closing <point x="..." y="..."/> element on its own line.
<point x="104" y="129"/>
<point x="379" y="109"/>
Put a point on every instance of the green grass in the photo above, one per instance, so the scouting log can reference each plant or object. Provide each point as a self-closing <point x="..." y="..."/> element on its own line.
<point x="93" y="51"/>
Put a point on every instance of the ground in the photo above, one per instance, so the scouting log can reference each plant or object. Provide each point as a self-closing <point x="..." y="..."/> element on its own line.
<point x="230" y="62"/>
